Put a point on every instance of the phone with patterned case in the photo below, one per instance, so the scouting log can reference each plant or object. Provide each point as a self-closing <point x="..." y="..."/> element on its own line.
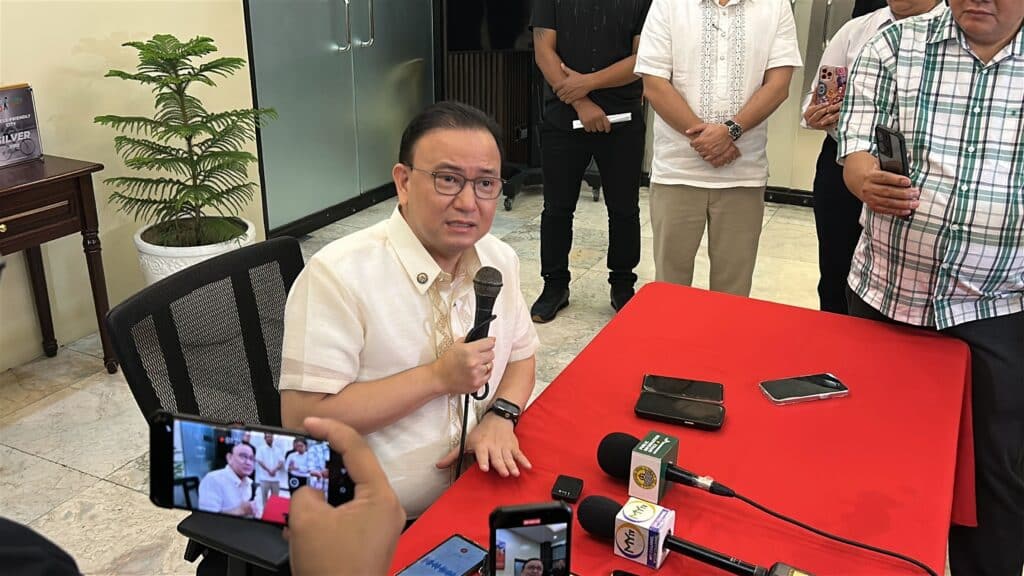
<point x="831" y="85"/>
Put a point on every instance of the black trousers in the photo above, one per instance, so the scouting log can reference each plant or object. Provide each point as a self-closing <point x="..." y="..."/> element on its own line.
<point x="619" y="156"/>
<point x="996" y="546"/>
<point x="837" y="220"/>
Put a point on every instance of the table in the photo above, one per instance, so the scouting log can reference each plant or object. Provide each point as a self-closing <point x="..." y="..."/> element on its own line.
<point x="880" y="466"/>
<point x="43" y="200"/>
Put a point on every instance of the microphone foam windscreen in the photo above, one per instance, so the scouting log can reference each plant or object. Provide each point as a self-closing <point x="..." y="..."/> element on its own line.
<point x="487" y="281"/>
<point x="614" y="454"/>
<point x="597" y="516"/>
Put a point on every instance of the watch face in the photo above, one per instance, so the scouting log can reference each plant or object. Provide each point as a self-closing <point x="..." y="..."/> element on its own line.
<point x="505" y="406"/>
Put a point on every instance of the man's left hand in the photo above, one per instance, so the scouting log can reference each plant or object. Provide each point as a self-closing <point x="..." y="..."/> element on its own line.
<point x="574" y="86"/>
<point x="710" y="140"/>
<point x="494" y="443"/>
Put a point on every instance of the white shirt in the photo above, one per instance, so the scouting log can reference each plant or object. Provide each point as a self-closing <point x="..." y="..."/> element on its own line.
<point x="846" y="45"/>
<point x="269" y="456"/>
<point x="360" y="311"/>
<point x="222" y="490"/>
<point x="301" y="462"/>
<point x="716" y="57"/>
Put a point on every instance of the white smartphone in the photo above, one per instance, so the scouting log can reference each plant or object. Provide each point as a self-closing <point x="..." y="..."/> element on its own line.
<point x="804" y="388"/>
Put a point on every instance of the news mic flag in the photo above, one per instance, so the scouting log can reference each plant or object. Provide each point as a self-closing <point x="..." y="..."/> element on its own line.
<point x="648" y="464"/>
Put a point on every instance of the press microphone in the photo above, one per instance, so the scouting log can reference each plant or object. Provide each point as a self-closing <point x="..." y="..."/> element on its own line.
<point x="615" y="455"/>
<point x="486" y="286"/>
<point x="599" y="517"/>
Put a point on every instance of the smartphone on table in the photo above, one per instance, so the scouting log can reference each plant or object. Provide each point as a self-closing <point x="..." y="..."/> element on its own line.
<point x="804" y="388"/>
<point x="519" y="532"/>
<point x="201" y="465"/>
<point x="674" y="410"/>
<point x="892" y="154"/>
<point x="457" y="555"/>
<point x="684" y="388"/>
<point x="831" y="87"/>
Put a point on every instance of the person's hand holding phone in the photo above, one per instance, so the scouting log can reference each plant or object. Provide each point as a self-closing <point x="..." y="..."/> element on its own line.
<point x="883" y="192"/>
<point x="888" y="193"/>
<point x="822" y="116"/>
<point x="358" y="537"/>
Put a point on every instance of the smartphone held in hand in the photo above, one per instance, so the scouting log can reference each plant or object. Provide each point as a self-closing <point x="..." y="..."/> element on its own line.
<point x="237" y="470"/>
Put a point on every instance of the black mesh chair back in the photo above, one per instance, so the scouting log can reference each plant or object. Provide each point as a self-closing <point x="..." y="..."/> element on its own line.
<point x="207" y="340"/>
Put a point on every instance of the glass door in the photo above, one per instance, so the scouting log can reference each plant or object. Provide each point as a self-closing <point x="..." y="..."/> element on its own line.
<point x="393" y="51"/>
<point x="302" y="66"/>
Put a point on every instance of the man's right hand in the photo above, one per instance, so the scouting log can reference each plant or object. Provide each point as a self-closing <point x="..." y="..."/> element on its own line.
<point x="888" y="193"/>
<point x="592" y="116"/>
<point x="822" y="116"/>
<point x="464" y="368"/>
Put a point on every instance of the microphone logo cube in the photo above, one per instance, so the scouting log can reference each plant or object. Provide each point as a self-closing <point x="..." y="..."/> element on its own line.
<point x="648" y="464"/>
<point x="641" y="528"/>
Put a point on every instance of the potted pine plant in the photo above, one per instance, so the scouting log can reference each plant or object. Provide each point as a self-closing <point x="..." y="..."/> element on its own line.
<point x="193" y="179"/>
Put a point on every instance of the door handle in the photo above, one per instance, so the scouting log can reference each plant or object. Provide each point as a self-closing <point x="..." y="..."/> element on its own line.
<point x="828" y="17"/>
<point x="373" y="31"/>
<point x="348" y="27"/>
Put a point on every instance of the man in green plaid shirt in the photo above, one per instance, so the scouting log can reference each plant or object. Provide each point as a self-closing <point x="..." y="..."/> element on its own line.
<point x="944" y="247"/>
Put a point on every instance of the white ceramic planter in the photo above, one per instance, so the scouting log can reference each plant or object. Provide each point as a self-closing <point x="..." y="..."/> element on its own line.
<point x="158" y="262"/>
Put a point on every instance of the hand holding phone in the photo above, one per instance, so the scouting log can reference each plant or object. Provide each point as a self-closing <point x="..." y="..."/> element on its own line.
<point x="888" y="190"/>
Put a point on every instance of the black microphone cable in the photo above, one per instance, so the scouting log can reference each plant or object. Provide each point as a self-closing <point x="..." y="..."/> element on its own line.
<point x="840" y="539"/>
<point x="723" y="490"/>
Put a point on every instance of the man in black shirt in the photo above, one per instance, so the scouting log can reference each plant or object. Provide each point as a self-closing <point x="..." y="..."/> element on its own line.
<point x="586" y="50"/>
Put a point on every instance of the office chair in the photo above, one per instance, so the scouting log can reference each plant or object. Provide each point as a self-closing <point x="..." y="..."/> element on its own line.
<point x="207" y="341"/>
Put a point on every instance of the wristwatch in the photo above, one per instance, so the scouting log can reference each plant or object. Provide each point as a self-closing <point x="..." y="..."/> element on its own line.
<point x="735" y="130"/>
<point x="506" y="410"/>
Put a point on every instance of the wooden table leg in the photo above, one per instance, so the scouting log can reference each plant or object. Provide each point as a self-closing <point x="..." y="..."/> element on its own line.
<point x="93" y="259"/>
<point x="34" y="258"/>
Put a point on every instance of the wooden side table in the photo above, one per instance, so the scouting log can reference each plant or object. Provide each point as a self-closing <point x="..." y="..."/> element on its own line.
<point x="43" y="200"/>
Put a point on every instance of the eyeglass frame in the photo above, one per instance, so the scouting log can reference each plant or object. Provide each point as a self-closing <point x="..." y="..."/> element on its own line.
<point x="435" y="173"/>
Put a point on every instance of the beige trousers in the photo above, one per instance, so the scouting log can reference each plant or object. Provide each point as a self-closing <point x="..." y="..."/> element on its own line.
<point x="733" y="217"/>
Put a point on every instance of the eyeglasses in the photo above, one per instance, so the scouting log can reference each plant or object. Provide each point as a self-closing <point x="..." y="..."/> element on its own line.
<point x="451" y="184"/>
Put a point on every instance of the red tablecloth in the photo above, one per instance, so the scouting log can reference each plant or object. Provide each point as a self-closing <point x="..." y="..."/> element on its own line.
<point x="878" y="466"/>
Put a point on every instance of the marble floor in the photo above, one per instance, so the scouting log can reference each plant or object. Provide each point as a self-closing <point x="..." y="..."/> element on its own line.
<point x="73" y="444"/>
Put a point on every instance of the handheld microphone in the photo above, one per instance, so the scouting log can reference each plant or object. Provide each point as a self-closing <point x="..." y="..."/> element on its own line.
<point x="486" y="286"/>
<point x="597" y="515"/>
<point x="615" y="453"/>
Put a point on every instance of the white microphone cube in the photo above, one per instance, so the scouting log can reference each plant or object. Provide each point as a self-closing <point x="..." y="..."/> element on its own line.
<point x="641" y="528"/>
<point x="648" y="464"/>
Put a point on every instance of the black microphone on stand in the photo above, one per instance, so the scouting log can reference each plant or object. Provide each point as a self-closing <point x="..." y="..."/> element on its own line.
<point x="597" y="516"/>
<point x="486" y="286"/>
<point x="615" y="453"/>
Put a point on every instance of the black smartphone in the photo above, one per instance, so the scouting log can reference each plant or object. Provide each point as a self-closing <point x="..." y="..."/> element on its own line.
<point x="237" y="470"/>
<point x="684" y="388"/>
<point x="518" y="533"/>
<point x="662" y="408"/>
<point x="457" y="555"/>
<point x="804" y="388"/>
<point x="892" y="153"/>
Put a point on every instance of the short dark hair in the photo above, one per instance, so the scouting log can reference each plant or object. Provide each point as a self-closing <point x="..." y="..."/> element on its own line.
<point x="447" y="114"/>
<point x="528" y="560"/>
<point x="237" y="444"/>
